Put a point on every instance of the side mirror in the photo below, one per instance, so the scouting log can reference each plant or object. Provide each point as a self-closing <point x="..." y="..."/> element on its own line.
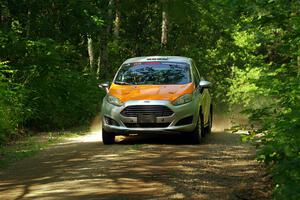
<point x="204" y="84"/>
<point x="104" y="86"/>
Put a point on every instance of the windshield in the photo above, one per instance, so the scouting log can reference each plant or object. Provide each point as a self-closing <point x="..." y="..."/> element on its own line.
<point x="153" y="73"/>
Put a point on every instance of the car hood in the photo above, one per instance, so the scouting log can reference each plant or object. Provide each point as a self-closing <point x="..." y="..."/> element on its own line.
<point x="150" y="92"/>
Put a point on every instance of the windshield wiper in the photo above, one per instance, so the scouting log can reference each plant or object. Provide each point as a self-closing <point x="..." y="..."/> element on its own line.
<point x="122" y="83"/>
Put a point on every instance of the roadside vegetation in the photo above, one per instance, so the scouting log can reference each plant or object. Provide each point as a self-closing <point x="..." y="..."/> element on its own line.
<point x="32" y="143"/>
<point x="54" y="53"/>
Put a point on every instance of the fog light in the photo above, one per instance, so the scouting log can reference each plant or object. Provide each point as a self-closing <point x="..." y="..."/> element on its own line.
<point x="110" y="121"/>
<point x="185" y="121"/>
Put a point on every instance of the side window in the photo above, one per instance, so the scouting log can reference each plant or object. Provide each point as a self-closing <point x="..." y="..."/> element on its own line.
<point x="195" y="74"/>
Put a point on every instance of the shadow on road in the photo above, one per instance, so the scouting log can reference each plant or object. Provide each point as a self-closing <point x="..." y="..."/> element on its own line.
<point x="178" y="139"/>
<point x="139" y="167"/>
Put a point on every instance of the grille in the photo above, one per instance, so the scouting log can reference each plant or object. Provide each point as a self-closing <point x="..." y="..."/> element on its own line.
<point x="156" y="110"/>
<point x="146" y="125"/>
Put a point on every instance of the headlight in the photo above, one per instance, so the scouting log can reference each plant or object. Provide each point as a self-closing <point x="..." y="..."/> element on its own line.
<point x="114" y="100"/>
<point x="183" y="99"/>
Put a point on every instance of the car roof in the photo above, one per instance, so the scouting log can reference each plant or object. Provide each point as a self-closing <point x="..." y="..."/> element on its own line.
<point x="158" y="58"/>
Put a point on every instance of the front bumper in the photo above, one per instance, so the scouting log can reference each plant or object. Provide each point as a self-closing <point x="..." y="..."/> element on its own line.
<point x="180" y="112"/>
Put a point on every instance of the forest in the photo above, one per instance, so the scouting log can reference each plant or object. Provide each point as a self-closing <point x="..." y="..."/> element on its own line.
<point x="54" y="54"/>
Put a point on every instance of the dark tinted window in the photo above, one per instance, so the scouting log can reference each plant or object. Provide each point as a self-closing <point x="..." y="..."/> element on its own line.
<point x="154" y="73"/>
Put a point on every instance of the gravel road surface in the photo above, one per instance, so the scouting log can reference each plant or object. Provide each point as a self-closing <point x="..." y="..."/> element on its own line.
<point x="139" y="167"/>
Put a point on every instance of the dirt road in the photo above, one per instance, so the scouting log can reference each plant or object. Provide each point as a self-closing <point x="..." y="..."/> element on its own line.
<point x="149" y="167"/>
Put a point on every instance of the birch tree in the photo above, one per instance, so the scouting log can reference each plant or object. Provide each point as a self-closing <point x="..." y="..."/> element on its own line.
<point x="90" y="52"/>
<point x="164" y="24"/>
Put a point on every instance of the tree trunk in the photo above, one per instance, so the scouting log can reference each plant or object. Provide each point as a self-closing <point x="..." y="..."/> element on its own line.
<point x="5" y="15"/>
<point x="103" y="65"/>
<point x="109" y="16"/>
<point x="117" y="20"/>
<point x="98" y="65"/>
<point x="28" y="23"/>
<point x="90" y="52"/>
<point x="298" y="64"/>
<point x="103" y="60"/>
<point x="164" y="25"/>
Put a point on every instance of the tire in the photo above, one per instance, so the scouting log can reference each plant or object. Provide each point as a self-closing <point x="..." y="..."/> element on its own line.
<point x="108" y="138"/>
<point x="210" y="119"/>
<point x="198" y="133"/>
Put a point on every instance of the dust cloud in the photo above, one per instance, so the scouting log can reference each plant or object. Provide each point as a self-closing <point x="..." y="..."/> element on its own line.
<point x="225" y="118"/>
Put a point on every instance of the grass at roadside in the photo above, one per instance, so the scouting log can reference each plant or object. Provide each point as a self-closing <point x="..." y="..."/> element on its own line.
<point x="30" y="145"/>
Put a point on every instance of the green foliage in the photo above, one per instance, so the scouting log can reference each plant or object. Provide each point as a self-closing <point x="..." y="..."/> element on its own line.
<point x="11" y="96"/>
<point x="265" y="80"/>
<point x="62" y="98"/>
<point x="249" y="49"/>
<point x="48" y="87"/>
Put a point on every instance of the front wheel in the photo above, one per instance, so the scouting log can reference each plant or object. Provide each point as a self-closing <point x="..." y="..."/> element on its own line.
<point x="197" y="134"/>
<point x="108" y="138"/>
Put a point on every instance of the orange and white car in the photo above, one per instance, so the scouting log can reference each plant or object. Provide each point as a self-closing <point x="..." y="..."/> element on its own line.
<point x="156" y="94"/>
